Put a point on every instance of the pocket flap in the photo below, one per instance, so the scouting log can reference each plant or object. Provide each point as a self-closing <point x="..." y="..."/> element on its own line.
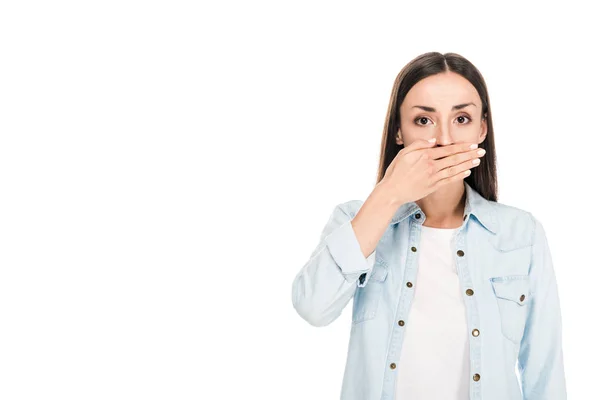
<point x="512" y="287"/>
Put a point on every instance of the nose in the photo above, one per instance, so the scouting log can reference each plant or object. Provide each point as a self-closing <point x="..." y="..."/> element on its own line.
<point x="443" y="135"/>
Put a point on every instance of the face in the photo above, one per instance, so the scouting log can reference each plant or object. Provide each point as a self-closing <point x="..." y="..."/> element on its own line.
<point x="427" y="111"/>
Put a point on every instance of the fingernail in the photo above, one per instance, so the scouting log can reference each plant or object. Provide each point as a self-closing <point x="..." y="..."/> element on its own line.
<point x="473" y="146"/>
<point x="431" y="140"/>
<point x="481" y="152"/>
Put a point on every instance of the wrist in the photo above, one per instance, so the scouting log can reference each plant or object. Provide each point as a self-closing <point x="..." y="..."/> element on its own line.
<point x="390" y="194"/>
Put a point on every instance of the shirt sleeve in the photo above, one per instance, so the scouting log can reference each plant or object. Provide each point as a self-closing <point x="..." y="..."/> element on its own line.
<point x="540" y="358"/>
<point x="336" y="267"/>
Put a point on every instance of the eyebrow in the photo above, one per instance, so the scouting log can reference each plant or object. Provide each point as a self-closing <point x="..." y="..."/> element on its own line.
<point x="456" y="107"/>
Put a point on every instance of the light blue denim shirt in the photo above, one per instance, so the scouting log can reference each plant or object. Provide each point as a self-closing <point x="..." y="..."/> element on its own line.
<point x="509" y="289"/>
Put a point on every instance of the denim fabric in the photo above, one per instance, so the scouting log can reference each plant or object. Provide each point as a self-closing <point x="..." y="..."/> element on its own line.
<point x="507" y="279"/>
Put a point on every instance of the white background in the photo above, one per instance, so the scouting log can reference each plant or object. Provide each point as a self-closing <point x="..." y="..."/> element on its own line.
<point x="166" y="168"/>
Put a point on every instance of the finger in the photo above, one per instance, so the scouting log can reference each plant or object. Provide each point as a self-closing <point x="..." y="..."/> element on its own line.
<point x="460" y="176"/>
<point x="445" y="151"/>
<point x="454" y="159"/>
<point x="419" y="144"/>
<point x="455" y="171"/>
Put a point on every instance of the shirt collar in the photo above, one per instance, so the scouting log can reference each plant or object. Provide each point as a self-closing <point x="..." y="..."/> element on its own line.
<point x="475" y="204"/>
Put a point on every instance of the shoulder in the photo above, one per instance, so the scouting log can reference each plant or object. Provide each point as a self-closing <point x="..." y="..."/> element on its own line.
<point x="350" y="207"/>
<point x="511" y="214"/>
<point x="517" y="226"/>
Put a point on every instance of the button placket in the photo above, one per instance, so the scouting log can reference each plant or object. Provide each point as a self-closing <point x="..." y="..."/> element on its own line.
<point x="392" y="355"/>
<point x="472" y="312"/>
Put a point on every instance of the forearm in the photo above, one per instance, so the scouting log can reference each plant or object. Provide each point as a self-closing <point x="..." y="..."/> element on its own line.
<point x="374" y="217"/>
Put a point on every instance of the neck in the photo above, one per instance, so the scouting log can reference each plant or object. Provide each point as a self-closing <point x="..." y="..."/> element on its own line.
<point x="444" y="208"/>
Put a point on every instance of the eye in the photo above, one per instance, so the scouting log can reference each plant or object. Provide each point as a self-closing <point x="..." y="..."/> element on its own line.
<point x="418" y="119"/>
<point x="460" y="120"/>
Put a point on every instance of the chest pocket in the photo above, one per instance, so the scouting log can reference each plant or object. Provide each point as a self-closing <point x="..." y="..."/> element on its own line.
<point x="368" y="297"/>
<point x="512" y="296"/>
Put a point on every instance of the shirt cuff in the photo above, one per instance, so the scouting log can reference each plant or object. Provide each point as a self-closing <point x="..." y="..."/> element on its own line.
<point x="345" y="251"/>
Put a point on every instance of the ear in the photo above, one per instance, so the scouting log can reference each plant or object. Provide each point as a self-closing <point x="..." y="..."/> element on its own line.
<point x="484" y="128"/>
<point x="399" y="137"/>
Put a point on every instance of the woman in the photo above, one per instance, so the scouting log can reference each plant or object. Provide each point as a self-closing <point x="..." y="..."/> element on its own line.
<point x="451" y="290"/>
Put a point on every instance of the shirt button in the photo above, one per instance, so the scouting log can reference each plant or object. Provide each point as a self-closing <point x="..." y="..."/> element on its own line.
<point x="362" y="278"/>
<point x="469" y="292"/>
<point x="393" y="366"/>
<point x="413" y="249"/>
<point x="460" y="253"/>
<point x="476" y="377"/>
<point x="409" y="284"/>
<point x="475" y="332"/>
<point x="522" y="297"/>
<point x="401" y="323"/>
<point x="417" y="215"/>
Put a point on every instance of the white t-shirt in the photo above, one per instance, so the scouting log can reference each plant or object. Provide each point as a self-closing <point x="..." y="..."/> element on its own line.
<point x="434" y="360"/>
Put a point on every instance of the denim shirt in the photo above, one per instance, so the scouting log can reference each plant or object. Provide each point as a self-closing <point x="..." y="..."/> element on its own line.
<point x="508" y="284"/>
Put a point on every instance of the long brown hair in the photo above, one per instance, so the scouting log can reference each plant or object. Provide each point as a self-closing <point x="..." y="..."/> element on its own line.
<point x="483" y="178"/>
